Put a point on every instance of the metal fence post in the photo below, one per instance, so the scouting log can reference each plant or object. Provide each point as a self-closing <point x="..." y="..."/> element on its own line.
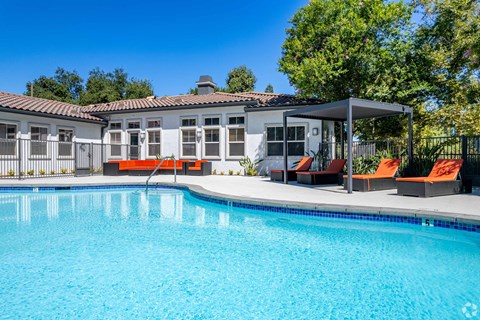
<point x="91" y="154"/>
<point x="464" y="154"/>
<point x="75" y="157"/>
<point x="20" y="145"/>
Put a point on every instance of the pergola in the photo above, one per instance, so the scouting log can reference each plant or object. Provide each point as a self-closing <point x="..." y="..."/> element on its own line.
<point x="347" y="110"/>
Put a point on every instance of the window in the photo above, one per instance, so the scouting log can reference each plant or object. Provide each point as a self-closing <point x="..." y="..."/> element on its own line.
<point x="116" y="126"/>
<point x="189" y="144"/>
<point x="8" y="135"/>
<point x="133" y="124"/>
<point x="153" y="124"/>
<point x="236" y="136"/>
<point x="215" y="121"/>
<point x="236" y="142"/>
<point x="295" y="144"/>
<point x="65" y="137"/>
<point x="38" y="143"/>
<point x="153" y="141"/>
<point x="190" y="122"/>
<point x="212" y="142"/>
<point x="115" y="144"/>
<point x="236" y="120"/>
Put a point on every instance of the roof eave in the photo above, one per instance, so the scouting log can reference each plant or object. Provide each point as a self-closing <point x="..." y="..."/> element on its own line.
<point x="184" y="107"/>
<point x="56" y="116"/>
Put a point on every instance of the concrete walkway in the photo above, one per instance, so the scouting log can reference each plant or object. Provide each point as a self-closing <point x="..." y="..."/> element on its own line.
<point x="463" y="207"/>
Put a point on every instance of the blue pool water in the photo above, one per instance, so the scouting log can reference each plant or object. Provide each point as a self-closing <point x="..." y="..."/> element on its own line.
<point x="121" y="254"/>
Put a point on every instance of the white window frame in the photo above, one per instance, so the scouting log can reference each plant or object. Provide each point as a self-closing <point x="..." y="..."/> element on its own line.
<point x="131" y="121"/>
<point x="5" y="140"/>
<point x="60" y="142"/>
<point x="184" y="128"/>
<point x="227" y="134"/>
<point x="110" y="132"/>
<point x="116" y="129"/>
<point x="47" y="148"/>
<point x="212" y="127"/>
<point x="298" y="124"/>
<point x="147" y="138"/>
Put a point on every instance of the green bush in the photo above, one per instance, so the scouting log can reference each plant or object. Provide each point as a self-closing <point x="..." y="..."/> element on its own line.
<point x="249" y="166"/>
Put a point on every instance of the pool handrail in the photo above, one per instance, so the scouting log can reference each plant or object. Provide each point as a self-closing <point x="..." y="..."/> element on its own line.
<point x="172" y="157"/>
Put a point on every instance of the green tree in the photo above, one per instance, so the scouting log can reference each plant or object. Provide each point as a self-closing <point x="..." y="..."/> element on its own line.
<point x="269" y="88"/>
<point x="63" y="86"/>
<point x="138" y="89"/>
<point x="240" y="79"/>
<point x="215" y="89"/>
<point x="449" y="43"/>
<point x="337" y="49"/>
<point x="100" y="87"/>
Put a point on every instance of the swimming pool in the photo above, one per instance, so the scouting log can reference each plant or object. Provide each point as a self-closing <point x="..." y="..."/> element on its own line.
<point x="166" y="254"/>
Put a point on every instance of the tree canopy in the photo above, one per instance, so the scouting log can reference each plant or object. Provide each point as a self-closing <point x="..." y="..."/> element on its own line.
<point x="240" y="79"/>
<point x="337" y="49"/>
<point x="100" y="87"/>
<point x="269" y="88"/>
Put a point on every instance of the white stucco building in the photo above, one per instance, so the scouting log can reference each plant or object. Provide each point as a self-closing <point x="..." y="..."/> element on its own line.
<point x="220" y="127"/>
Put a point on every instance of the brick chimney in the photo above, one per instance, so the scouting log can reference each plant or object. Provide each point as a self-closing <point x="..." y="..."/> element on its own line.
<point x="205" y="85"/>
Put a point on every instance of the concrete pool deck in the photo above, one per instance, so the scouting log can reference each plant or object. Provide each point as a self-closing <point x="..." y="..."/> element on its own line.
<point x="460" y="208"/>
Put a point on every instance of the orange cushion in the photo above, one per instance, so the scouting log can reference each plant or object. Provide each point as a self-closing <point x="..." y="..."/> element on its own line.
<point x="446" y="169"/>
<point x="388" y="167"/>
<point x="336" y="166"/>
<point x="368" y="176"/>
<point x="304" y="164"/>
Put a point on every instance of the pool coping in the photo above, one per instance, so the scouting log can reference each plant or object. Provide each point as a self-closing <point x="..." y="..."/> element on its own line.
<point x="439" y="218"/>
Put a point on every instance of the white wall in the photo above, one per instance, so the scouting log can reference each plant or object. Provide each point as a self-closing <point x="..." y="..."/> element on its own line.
<point x="83" y="131"/>
<point x="256" y="146"/>
<point x="255" y="128"/>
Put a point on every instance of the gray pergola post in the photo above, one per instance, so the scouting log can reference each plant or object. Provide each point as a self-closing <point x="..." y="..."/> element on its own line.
<point x="285" y="150"/>
<point x="349" y="152"/>
<point x="342" y="141"/>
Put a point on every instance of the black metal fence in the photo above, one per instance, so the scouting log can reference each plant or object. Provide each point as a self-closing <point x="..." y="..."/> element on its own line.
<point x="425" y="152"/>
<point x="25" y="158"/>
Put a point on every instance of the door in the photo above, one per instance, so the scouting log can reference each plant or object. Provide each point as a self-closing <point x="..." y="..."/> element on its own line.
<point x="134" y="146"/>
<point x="83" y="158"/>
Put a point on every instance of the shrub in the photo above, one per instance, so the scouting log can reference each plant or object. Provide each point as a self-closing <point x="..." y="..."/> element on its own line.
<point x="72" y="171"/>
<point x="41" y="171"/>
<point x="239" y="172"/>
<point x="31" y="172"/>
<point x="230" y="172"/>
<point x="222" y="173"/>
<point x="214" y="171"/>
<point x="11" y="172"/>
<point x="52" y="171"/>
<point x="63" y="170"/>
<point x="249" y="166"/>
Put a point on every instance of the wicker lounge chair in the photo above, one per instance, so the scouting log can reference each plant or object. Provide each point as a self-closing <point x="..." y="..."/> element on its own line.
<point x="329" y="176"/>
<point x="303" y="165"/>
<point x="382" y="179"/>
<point x="441" y="181"/>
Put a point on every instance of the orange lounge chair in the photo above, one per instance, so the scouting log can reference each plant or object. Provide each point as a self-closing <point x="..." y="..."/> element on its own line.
<point x="303" y="165"/>
<point x="382" y="179"/>
<point x="330" y="175"/>
<point x="441" y="181"/>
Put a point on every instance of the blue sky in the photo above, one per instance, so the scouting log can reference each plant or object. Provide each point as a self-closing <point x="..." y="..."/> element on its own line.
<point x="170" y="43"/>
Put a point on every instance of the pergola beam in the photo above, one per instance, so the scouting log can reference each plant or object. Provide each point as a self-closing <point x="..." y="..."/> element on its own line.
<point x="347" y="110"/>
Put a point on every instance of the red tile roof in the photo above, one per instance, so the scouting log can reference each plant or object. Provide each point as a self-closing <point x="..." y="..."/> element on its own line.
<point x="252" y="99"/>
<point x="266" y="99"/>
<point x="167" y="101"/>
<point x="17" y="102"/>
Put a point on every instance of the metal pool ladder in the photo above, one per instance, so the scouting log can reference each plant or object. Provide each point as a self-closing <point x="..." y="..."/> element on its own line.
<point x="158" y="167"/>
